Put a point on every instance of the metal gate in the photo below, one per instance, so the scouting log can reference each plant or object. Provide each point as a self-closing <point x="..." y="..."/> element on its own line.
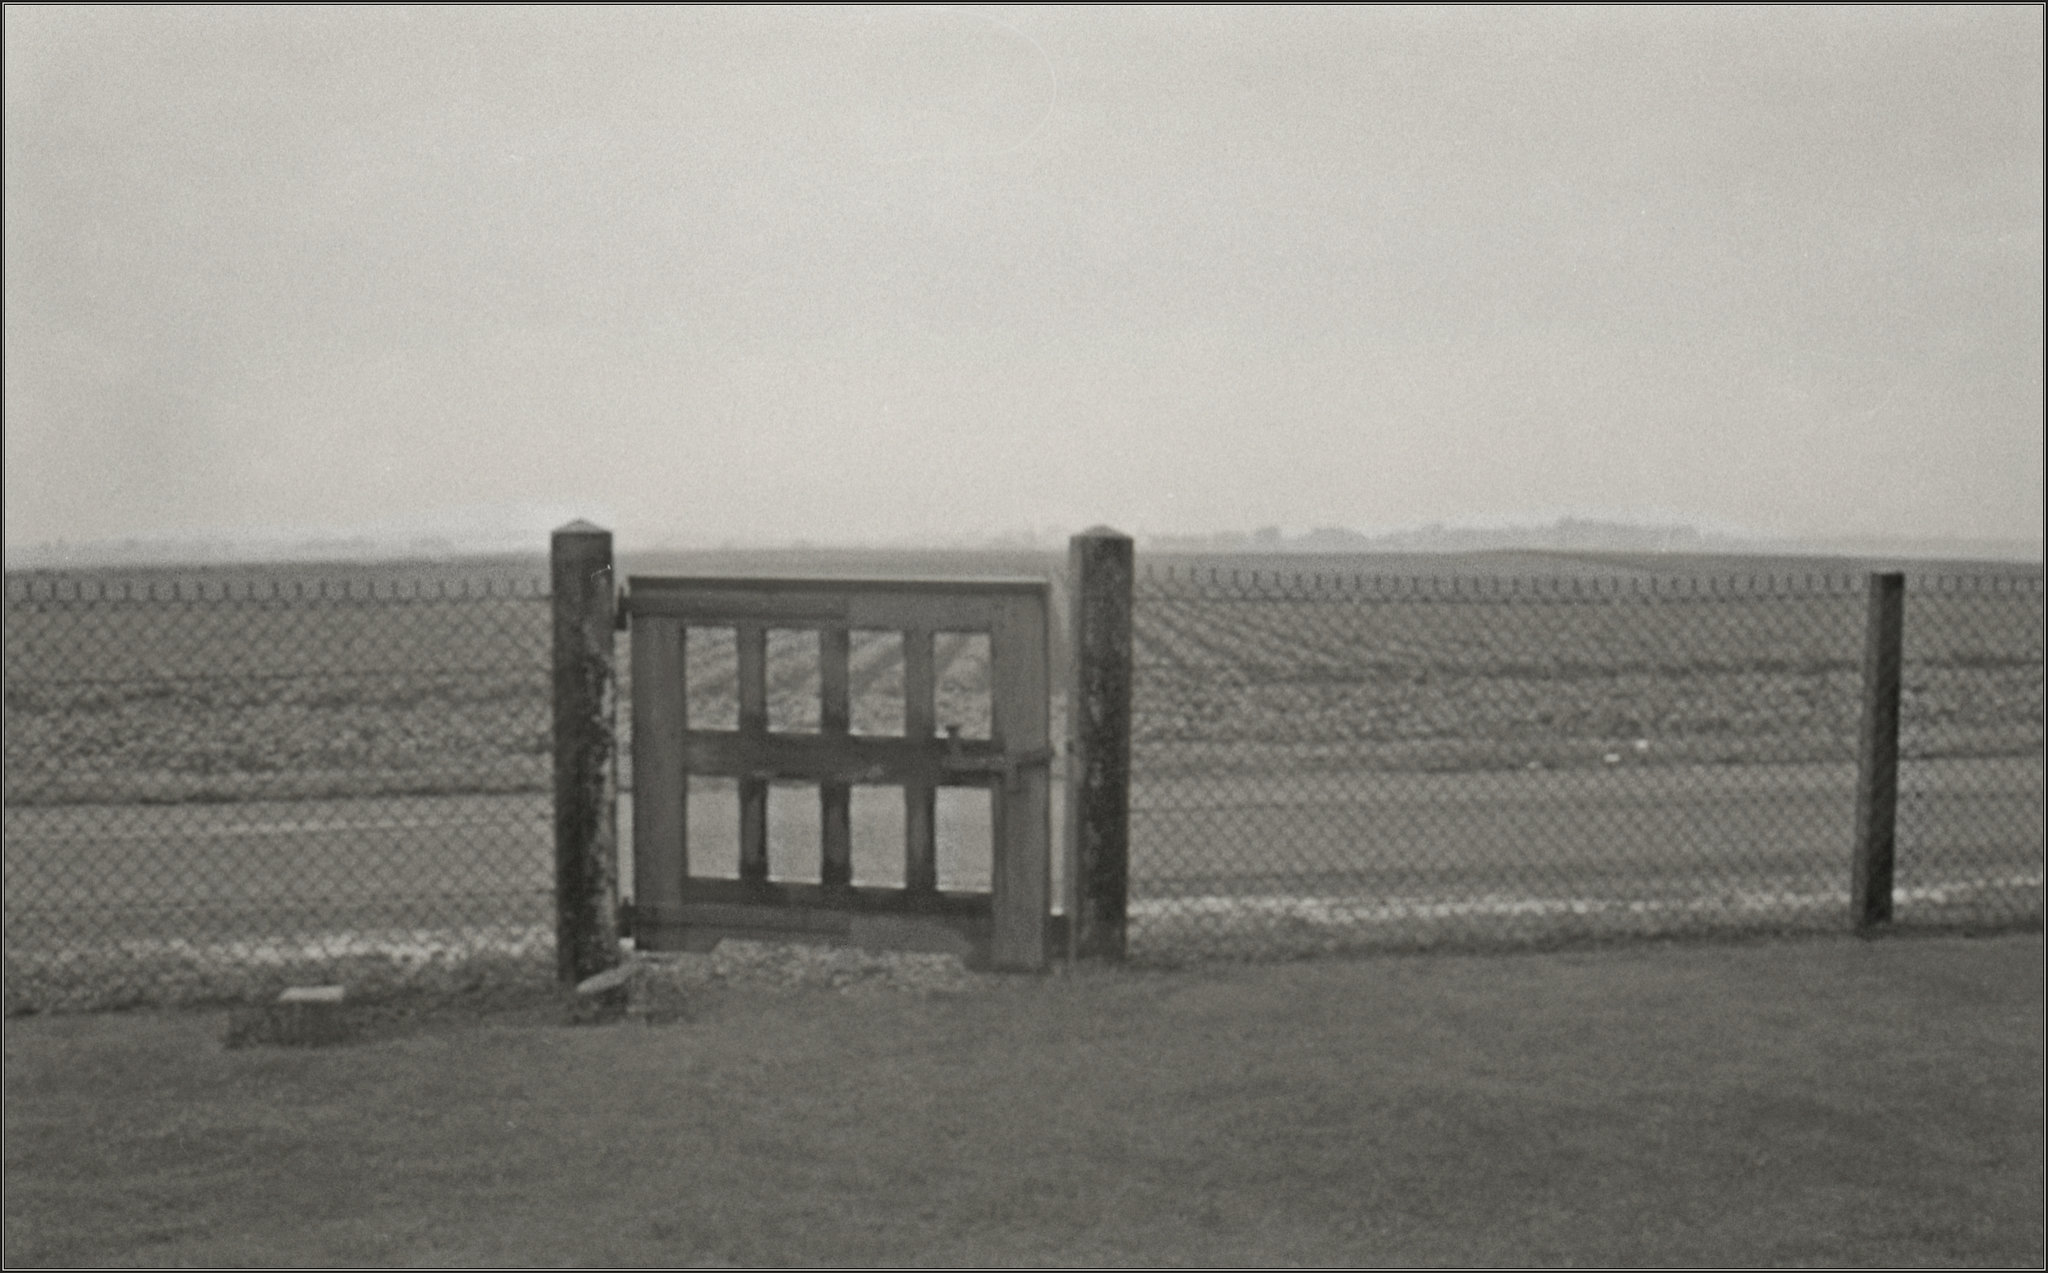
<point x="1006" y="927"/>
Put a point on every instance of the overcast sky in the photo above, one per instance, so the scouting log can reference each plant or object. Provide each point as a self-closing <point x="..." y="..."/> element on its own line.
<point x="844" y="275"/>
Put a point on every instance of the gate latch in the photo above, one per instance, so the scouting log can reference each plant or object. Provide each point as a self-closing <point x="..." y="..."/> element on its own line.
<point x="1006" y="763"/>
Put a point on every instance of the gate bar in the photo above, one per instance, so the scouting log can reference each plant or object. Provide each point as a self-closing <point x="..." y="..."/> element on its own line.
<point x="1020" y="875"/>
<point x="752" y="639"/>
<point x="835" y="823"/>
<point x="920" y="799"/>
<point x="660" y="792"/>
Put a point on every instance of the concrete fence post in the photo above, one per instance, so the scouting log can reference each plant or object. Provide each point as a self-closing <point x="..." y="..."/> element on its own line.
<point x="586" y="780"/>
<point x="1098" y="848"/>
<point x="1877" y="755"/>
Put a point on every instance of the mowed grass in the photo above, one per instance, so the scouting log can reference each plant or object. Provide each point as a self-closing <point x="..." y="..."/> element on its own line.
<point x="1829" y="1102"/>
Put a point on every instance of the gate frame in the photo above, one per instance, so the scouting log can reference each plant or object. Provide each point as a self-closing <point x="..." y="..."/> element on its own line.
<point x="1009" y="928"/>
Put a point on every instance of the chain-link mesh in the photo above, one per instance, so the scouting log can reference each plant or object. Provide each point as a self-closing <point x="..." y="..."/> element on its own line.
<point x="1328" y="762"/>
<point x="1970" y="820"/>
<point x="220" y="781"/>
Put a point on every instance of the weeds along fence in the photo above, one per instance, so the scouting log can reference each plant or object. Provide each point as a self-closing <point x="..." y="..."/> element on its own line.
<point x="1331" y="762"/>
<point x="222" y="781"/>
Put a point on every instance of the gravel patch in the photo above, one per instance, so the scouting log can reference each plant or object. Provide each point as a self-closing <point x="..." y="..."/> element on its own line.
<point x="798" y="966"/>
<point x="663" y="986"/>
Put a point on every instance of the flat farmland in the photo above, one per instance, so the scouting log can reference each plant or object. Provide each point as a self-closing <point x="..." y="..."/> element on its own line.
<point x="180" y="687"/>
<point x="195" y="686"/>
<point x="217" y="758"/>
<point x="1433" y="674"/>
<point x="1472" y="758"/>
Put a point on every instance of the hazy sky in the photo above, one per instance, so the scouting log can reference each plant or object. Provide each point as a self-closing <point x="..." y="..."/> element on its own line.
<point x="762" y="274"/>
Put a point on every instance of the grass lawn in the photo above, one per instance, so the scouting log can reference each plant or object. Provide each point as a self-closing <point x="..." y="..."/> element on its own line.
<point x="1826" y="1102"/>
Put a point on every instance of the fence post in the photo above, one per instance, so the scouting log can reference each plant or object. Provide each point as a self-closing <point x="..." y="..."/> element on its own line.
<point x="1098" y="849"/>
<point x="586" y="783"/>
<point x="1877" y="756"/>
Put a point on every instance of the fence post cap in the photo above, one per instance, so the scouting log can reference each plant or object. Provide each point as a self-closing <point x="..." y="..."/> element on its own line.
<point x="1102" y="532"/>
<point x="581" y="527"/>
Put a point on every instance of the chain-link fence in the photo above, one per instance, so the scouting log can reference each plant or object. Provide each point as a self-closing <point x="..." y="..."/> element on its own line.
<point x="221" y="781"/>
<point x="1329" y="762"/>
<point x="1970" y="822"/>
